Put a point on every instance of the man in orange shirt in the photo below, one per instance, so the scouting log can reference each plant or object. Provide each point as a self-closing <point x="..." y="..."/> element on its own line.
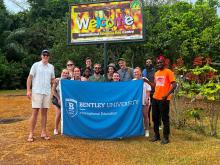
<point x="164" y="84"/>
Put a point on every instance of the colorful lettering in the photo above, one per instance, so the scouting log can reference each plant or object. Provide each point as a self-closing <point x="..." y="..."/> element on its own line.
<point x="103" y="22"/>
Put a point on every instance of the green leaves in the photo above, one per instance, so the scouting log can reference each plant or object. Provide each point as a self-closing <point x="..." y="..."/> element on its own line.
<point x="211" y="91"/>
<point x="201" y="83"/>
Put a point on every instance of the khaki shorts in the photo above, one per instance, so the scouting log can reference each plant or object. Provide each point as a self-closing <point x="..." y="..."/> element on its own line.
<point x="40" y="100"/>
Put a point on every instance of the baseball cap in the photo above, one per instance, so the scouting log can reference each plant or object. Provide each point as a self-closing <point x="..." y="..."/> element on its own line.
<point x="45" y="51"/>
<point x="121" y="59"/>
<point x="161" y="57"/>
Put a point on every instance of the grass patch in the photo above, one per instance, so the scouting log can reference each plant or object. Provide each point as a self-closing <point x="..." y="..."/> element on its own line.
<point x="12" y="92"/>
<point x="186" y="147"/>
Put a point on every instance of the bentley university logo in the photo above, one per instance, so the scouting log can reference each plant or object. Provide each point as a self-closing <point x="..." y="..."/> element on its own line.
<point x="71" y="107"/>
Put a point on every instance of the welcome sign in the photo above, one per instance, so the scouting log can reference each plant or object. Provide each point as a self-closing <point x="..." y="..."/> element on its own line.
<point x="101" y="110"/>
<point x="106" y="22"/>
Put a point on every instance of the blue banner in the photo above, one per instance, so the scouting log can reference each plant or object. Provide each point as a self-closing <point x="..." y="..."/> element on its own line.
<point x="101" y="110"/>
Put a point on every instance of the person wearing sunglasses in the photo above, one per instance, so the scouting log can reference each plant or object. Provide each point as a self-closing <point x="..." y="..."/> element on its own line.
<point x="70" y="67"/>
<point x="97" y="77"/>
<point x="40" y="78"/>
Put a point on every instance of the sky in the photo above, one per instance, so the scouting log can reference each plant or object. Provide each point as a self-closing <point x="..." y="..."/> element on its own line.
<point x="15" y="9"/>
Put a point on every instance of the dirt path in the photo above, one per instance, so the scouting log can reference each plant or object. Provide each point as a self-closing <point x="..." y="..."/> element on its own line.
<point x="185" y="147"/>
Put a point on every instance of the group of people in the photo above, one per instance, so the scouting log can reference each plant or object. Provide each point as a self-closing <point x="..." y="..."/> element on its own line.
<point x="157" y="89"/>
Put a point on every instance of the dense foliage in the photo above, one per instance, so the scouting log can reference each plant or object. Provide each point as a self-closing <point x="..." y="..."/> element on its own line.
<point x="200" y="84"/>
<point x="174" y="29"/>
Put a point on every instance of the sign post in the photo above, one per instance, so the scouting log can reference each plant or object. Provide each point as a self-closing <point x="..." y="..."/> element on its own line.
<point x="105" y="60"/>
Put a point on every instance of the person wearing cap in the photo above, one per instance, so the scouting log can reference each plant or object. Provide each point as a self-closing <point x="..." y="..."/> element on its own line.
<point x="110" y="70"/>
<point x="40" y="78"/>
<point x="164" y="85"/>
<point x="126" y="73"/>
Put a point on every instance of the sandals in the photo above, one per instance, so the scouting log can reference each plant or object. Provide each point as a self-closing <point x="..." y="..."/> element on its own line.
<point x="45" y="137"/>
<point x="55" y="131"/>
<point x="30" y="139"/>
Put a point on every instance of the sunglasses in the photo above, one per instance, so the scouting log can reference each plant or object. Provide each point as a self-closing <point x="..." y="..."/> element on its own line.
<point x="46" y="55"/>
<point x="97" y="68"/>
<point x="69" y="65"/>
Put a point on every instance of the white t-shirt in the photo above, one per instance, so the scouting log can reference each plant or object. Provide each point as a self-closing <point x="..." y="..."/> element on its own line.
<point x="145" y="98"/>
<point x="42" y="75"/>
<point x="146" y="88"/>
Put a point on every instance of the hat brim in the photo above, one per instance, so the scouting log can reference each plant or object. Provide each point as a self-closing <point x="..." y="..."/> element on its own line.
<point x="45" y="51"/>
<point x="121" y="59"/>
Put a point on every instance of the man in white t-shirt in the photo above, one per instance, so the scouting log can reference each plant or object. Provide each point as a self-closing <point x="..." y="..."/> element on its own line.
<point x="41" y="77"/>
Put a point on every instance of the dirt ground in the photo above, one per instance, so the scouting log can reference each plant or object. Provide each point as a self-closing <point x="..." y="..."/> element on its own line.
<point x="185" y="147"/>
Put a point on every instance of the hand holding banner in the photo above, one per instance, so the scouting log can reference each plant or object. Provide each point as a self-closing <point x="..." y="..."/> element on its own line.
<point x="102" y="110"/>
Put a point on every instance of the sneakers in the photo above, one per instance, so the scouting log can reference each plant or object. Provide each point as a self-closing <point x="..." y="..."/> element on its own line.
<point x="146" y="133"/>
<point x="165" y="141"/>
<point x="55" y="132"/>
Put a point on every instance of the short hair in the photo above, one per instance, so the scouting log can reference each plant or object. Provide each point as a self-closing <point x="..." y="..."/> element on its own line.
<point x="76" y="67"/>
<point x="97" y="64"/>
<point x="116" y="72"/>
<point x="65" y="70"/>
<point x="88" y="58"/>
<point x="149" y="59"/>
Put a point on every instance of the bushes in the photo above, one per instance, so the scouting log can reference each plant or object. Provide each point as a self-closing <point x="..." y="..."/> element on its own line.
<point x="10" y="74"/>
<point x="199" y="84"/>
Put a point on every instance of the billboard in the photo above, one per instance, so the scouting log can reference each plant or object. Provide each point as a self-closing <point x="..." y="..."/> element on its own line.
<point x="102" y="22"/>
